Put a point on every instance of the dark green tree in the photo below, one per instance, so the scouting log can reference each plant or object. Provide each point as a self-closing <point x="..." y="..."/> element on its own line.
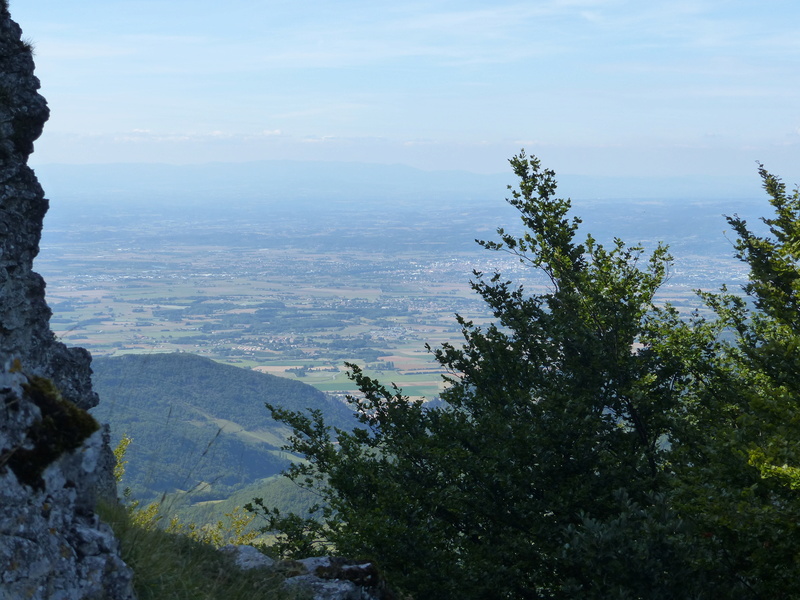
<point x="739" y="474"/>
<point x="591" y="444"/>
<point x="554" y="426"/>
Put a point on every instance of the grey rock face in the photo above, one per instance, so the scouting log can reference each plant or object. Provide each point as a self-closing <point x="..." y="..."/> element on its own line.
<point x="24" y="315"/>
<point x="52" y="454"/>
<point x="52" y="545"/>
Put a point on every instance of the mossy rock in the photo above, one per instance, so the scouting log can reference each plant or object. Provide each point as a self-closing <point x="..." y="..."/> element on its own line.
<point x="62" y="428"/>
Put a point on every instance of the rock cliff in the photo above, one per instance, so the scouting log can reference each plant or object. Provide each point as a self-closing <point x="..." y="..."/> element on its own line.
<point x="52" y="453"/>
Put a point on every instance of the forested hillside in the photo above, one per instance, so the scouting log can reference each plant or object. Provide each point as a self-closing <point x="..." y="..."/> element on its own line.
<point x="196" y="424"/>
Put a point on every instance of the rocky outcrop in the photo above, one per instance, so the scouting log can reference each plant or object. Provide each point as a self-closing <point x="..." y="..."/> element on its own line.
<point x="321" y="577"/>
<point x="24" y="315"/>
<point x="52" y="453"/>
<point x="330" y="578"/>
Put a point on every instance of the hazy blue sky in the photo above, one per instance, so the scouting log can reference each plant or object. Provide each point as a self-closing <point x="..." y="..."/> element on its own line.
<point x="619" y="87"/>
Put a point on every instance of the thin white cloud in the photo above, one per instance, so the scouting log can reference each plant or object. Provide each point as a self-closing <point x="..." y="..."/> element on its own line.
<point x="69" y="50"/>
<point x="139" y="136"/>
<point x="421" y="72"/>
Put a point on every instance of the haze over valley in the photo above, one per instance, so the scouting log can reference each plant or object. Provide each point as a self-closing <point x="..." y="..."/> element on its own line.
<point x="293" y="280"/>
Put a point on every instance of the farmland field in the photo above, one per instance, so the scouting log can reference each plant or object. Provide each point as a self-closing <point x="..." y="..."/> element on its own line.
<point x="275" y="290"/>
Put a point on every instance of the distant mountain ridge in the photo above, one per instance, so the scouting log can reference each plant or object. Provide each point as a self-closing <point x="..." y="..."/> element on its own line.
<point x="323" y="181"/>
<point x="197" y="424"/>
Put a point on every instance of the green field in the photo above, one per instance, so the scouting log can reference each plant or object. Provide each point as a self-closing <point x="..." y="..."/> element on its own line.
<point x="266" y="321"/>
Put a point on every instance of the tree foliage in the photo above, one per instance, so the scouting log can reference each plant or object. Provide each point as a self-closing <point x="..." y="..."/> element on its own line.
<point x="591" y="443"/>
<point x="739" y="470"/>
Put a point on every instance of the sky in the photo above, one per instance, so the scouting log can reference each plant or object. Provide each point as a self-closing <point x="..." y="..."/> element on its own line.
<point x="592" y="87"/>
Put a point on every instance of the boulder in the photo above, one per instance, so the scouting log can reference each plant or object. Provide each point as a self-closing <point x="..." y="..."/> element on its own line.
<point x="333" y="578"/>
<point x="246" y="557"/>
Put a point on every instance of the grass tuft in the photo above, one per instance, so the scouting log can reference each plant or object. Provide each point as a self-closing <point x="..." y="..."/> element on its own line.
<point x="172" y="565"/>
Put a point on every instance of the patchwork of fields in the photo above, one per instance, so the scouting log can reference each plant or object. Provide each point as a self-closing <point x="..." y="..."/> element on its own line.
<point x="295" y="296"/>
